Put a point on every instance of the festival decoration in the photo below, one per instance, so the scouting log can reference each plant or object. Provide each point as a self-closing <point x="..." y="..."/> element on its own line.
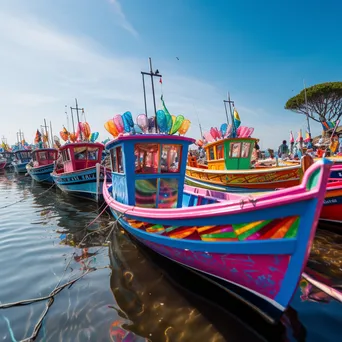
<point x="94" y="136"/>
<point x="142" y="122"/>
<point x="119" y="123"/>
<point x="161" y="121"/>
<point x="111" y="128"/>
<point x="237" y="120"/>
<point x="184" y="127"/>
<point x="177" y="123"/>
<point x="86" y="130"/>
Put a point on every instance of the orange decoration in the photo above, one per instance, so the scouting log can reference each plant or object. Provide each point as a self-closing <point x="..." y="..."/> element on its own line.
<point x="111" y="128"/>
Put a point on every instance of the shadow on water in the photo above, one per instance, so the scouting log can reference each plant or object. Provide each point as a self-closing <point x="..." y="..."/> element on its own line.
<point x="174" y="304"/>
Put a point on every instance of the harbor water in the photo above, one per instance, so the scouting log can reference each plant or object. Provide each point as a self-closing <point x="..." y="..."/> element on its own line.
<point x="125" y="292"/>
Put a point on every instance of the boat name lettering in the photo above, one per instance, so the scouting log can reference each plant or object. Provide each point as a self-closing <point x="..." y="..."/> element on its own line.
<point x="330" y="201"/>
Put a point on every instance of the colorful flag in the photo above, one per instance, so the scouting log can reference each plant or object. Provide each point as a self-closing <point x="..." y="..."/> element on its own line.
<point x="237" y="120"/>
<point x="37" y="138"/>
<point x="291" y="137"/>
<point x="328" y="125"/>
<point x="160" y="80"/>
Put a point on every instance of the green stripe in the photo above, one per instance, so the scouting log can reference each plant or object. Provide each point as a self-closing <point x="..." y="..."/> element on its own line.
<point x="170" y="229"/>
<point x="292" y="232"/>
<point x="248" y="233"/>
<point x="220" y="235"/>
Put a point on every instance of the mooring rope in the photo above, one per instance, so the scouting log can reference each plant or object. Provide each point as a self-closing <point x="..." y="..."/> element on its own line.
<point x="58" y="288"/>
<point x="23" y="199"/>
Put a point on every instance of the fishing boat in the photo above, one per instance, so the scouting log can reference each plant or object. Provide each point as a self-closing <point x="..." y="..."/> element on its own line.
<point x="42" y="164"/>
<point x="3" y="162"/>
<point x="21" y="158"/>
<point x="255" y="249"/>
<point x="332" y="208"/>
<point x="78" y="171"/>
<point x="9" y="156"/>
<point x="229" y="168"/>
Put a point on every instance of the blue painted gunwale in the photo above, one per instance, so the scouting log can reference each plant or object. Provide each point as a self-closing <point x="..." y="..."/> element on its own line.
<point x="80" y="183"/>
<point x="41" y="173"/>
<point x="20" y="167"/>
<point x="219" y="187"/>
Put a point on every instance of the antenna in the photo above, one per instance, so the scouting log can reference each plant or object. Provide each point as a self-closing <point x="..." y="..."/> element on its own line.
<point x="231" y="113"/>
<point x="152" y="74"/>
<point x="78" y="117"/>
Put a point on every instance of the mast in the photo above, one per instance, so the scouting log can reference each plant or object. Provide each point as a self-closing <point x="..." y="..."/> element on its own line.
<point x="67" y="117"/>
<point x="225" y="108"/>
<point x="52" y="143"/>
<point x="78" y="118"/>
<point x="152" y="74"/>
<point x="72" y="119"/>
<point x="231" y="113"/>
<point x="199" y="123"/>
<point x="46" y="131"/>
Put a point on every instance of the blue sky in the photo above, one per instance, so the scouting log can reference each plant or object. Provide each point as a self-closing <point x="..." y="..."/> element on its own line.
<point x="260" y="51"/>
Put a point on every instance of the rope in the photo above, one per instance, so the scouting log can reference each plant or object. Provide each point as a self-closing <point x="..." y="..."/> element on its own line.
<point x="58" y="288"/>
<point x="88" y="225"/>
<point x="23" y="199"/>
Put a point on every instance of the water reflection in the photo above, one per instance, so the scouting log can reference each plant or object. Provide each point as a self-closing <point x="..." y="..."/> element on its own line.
<point x="132" y="294"/>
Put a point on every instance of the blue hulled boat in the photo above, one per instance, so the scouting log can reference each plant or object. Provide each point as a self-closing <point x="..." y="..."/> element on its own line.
<point x="78" y="171"/>
<point x="42" y="164"/>
<point x="21" y="159"/>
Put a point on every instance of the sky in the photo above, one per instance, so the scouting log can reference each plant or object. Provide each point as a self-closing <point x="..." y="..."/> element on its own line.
<point x="52" y="52"/>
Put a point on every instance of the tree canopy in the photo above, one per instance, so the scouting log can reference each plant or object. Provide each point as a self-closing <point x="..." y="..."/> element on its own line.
<point x="324" y="102"/>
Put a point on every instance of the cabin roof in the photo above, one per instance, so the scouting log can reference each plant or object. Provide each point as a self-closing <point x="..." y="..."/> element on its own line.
<point x="142" y="137"/>
<point x="81" y="144"/>
<point x="228" y="139"/>
<point x="22" y="150"/>
<point x="44" y="150"/>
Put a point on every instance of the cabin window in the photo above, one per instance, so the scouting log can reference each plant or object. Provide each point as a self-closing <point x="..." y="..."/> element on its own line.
<point x="245" y="149"/>
<point x="66" y="155"/>
<point x="34" y="156"/>
<point x="235" y="149"/>
<point x="119" y="159"/>
<point x="146" y="158"/>
<point x="219" y="152"/>
<point x="113" y="159"/>
<point x="42" y="155"/>
<point x="80" y="153"/>
<point x="93" y="153"/>
<point x="116" y="158"/>
<point x="24" y="155"/>
<point x="170" y="158"/>
<point x="146" y="193"/>
<point x="52" y="155"/>
<point x="211" y="153"/>
<point x="168" y="193"/>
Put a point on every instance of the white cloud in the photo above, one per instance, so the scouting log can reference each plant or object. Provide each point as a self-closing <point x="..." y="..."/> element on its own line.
<point x="42" y="70"/>
<point x="122" y="20"/>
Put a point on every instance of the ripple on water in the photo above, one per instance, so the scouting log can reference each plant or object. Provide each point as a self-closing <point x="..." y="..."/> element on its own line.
<point x="128" y="295"/>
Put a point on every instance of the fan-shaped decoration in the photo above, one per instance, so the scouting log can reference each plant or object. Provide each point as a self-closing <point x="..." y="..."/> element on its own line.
<point x="142" y="122"/>
<point x="177" y="123"/>
<point x="184" y="127"/>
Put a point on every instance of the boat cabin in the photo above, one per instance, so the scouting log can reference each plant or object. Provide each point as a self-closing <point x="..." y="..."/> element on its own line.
<point x="8" y="156"/>
<point x="44" y="156"/>
<point x="148" y="169"/>
<point x="22" y="156"/>
<point x="230" y="154"/>
<point x="79" y="156"/>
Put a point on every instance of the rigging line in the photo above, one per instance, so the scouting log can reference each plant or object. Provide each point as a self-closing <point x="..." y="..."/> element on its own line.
<point x="23" y="199"/>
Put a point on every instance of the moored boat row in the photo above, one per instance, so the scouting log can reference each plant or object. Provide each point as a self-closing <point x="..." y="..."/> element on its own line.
<point x="254" y="246"/>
